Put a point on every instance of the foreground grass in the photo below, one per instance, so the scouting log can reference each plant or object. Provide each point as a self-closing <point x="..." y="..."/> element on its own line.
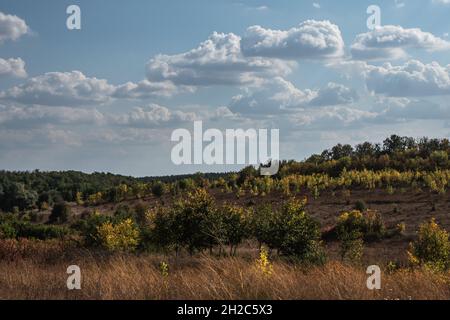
<point x="30" y="270"/>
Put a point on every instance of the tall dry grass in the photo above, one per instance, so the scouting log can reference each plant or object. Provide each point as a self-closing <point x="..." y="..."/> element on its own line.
<point x="30" y="270"/>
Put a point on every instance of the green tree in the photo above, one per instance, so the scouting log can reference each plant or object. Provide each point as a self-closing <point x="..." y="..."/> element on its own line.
<point x="197" y="222"/>
<point x="235" y="221"/>
<point x="160" y="230"/>
<point x="16" y="194"/>
<point x="298" y="233"/>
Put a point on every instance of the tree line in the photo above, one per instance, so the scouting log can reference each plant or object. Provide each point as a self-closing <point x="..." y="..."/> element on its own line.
<point x="21" y="191"/>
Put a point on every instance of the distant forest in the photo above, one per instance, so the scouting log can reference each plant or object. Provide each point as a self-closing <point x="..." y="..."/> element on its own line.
<point x="26" y="190"/>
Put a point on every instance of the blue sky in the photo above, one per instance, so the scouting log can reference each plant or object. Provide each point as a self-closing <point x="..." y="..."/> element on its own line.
<point x="108" y="96"/>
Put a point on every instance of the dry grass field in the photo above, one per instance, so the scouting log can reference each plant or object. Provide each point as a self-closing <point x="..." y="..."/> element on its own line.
<point x="30" y="270"/>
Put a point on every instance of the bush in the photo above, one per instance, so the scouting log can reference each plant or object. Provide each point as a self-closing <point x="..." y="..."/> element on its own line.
<point x="40" y="231"/>
<point x="400" y="228"/>
<point x="88" y="228"/>
<point x="123" y="211"/>
<point x="197" y="222"/>
<point x="235" y="225"/>
<point x="158" y="189"/>
<point x="351" y="229"/>
<point x="360" y="205"/>
<point x="7" y="231"/>
<point x="294" y="233"/>
<point x="374" y="226"/>
<point x="160" y="231"/>
<point x="432" y="248"/>
<point x="13" y="228"/>
<point x="351" y="225"/>
<point x="260" y="224"/>
<point x="193" y="223"/>
<point x="60" y="213"/>
<point x="356" y="225"/>
<point x="352" y="250"/>
<point x="140" y="212"/>
<point x="123" y="236"/>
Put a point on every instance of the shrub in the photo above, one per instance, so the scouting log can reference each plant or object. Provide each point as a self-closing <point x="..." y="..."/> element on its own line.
<point x="350" y="231"/>
<point x="60" y="213"/>
<point x="235" y="225"/>
<point x="400" y="229"/>
<point x="294" y="233"/>
<point x="390" y="190"/>
<point x="352" y="249"/>
<point x="140" y="212"/>
<point x="260" y="224"/>
<point x="356" y="225"/>
<point x="263" y="263"/>
<point x="79" y="198"/>
<point x="123" y="212"/>
<point x="158" y="189"/>
<point x="360" y="205"/>
<point x="88" y="228"/>
<point x="40" y="231"/>
<point x="13" y="228"/>
<point x="374" y="226"/>
<point x="7" y="231"/>
<point x="432" y="248"/>
<point x="350" y="225"/>
<point x="197" y="222"/>
<point x="160" y="230"/>
<point x="95" y="199"/>
<point x="122" y="236"/>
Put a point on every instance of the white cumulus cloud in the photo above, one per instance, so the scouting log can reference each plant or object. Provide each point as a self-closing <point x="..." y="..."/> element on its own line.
<point x="412" y="79"/>
<point x="12" y="27"/>
<point x="390" y="42"/>
<point x="76" y="89"/>
<point x="217" y="61"/>
<point x="60" y="89"/>
<point x="310" y="40"/>
<point x="12" y="67"/>
<point x="280" y="95"/>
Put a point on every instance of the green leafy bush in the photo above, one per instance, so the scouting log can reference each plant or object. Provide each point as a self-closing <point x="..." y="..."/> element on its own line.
<point x="60" y="213"/>
<point x="301" y="235"/>
<point x="88" y="227"/>
<point x="160" y="231"/>
<point x="197" y="222"/>
<point x="432" y="248"/>
<point x="360" y="205"/>
<point x="235" y="222"/>
<point x="120" y="236"/>
<point x="355" y="224"/>
<point x="291" y="231"/>
<point x="11" y="227"/>
<point x="7" y="231"/>
<point x="158" y="189"/>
